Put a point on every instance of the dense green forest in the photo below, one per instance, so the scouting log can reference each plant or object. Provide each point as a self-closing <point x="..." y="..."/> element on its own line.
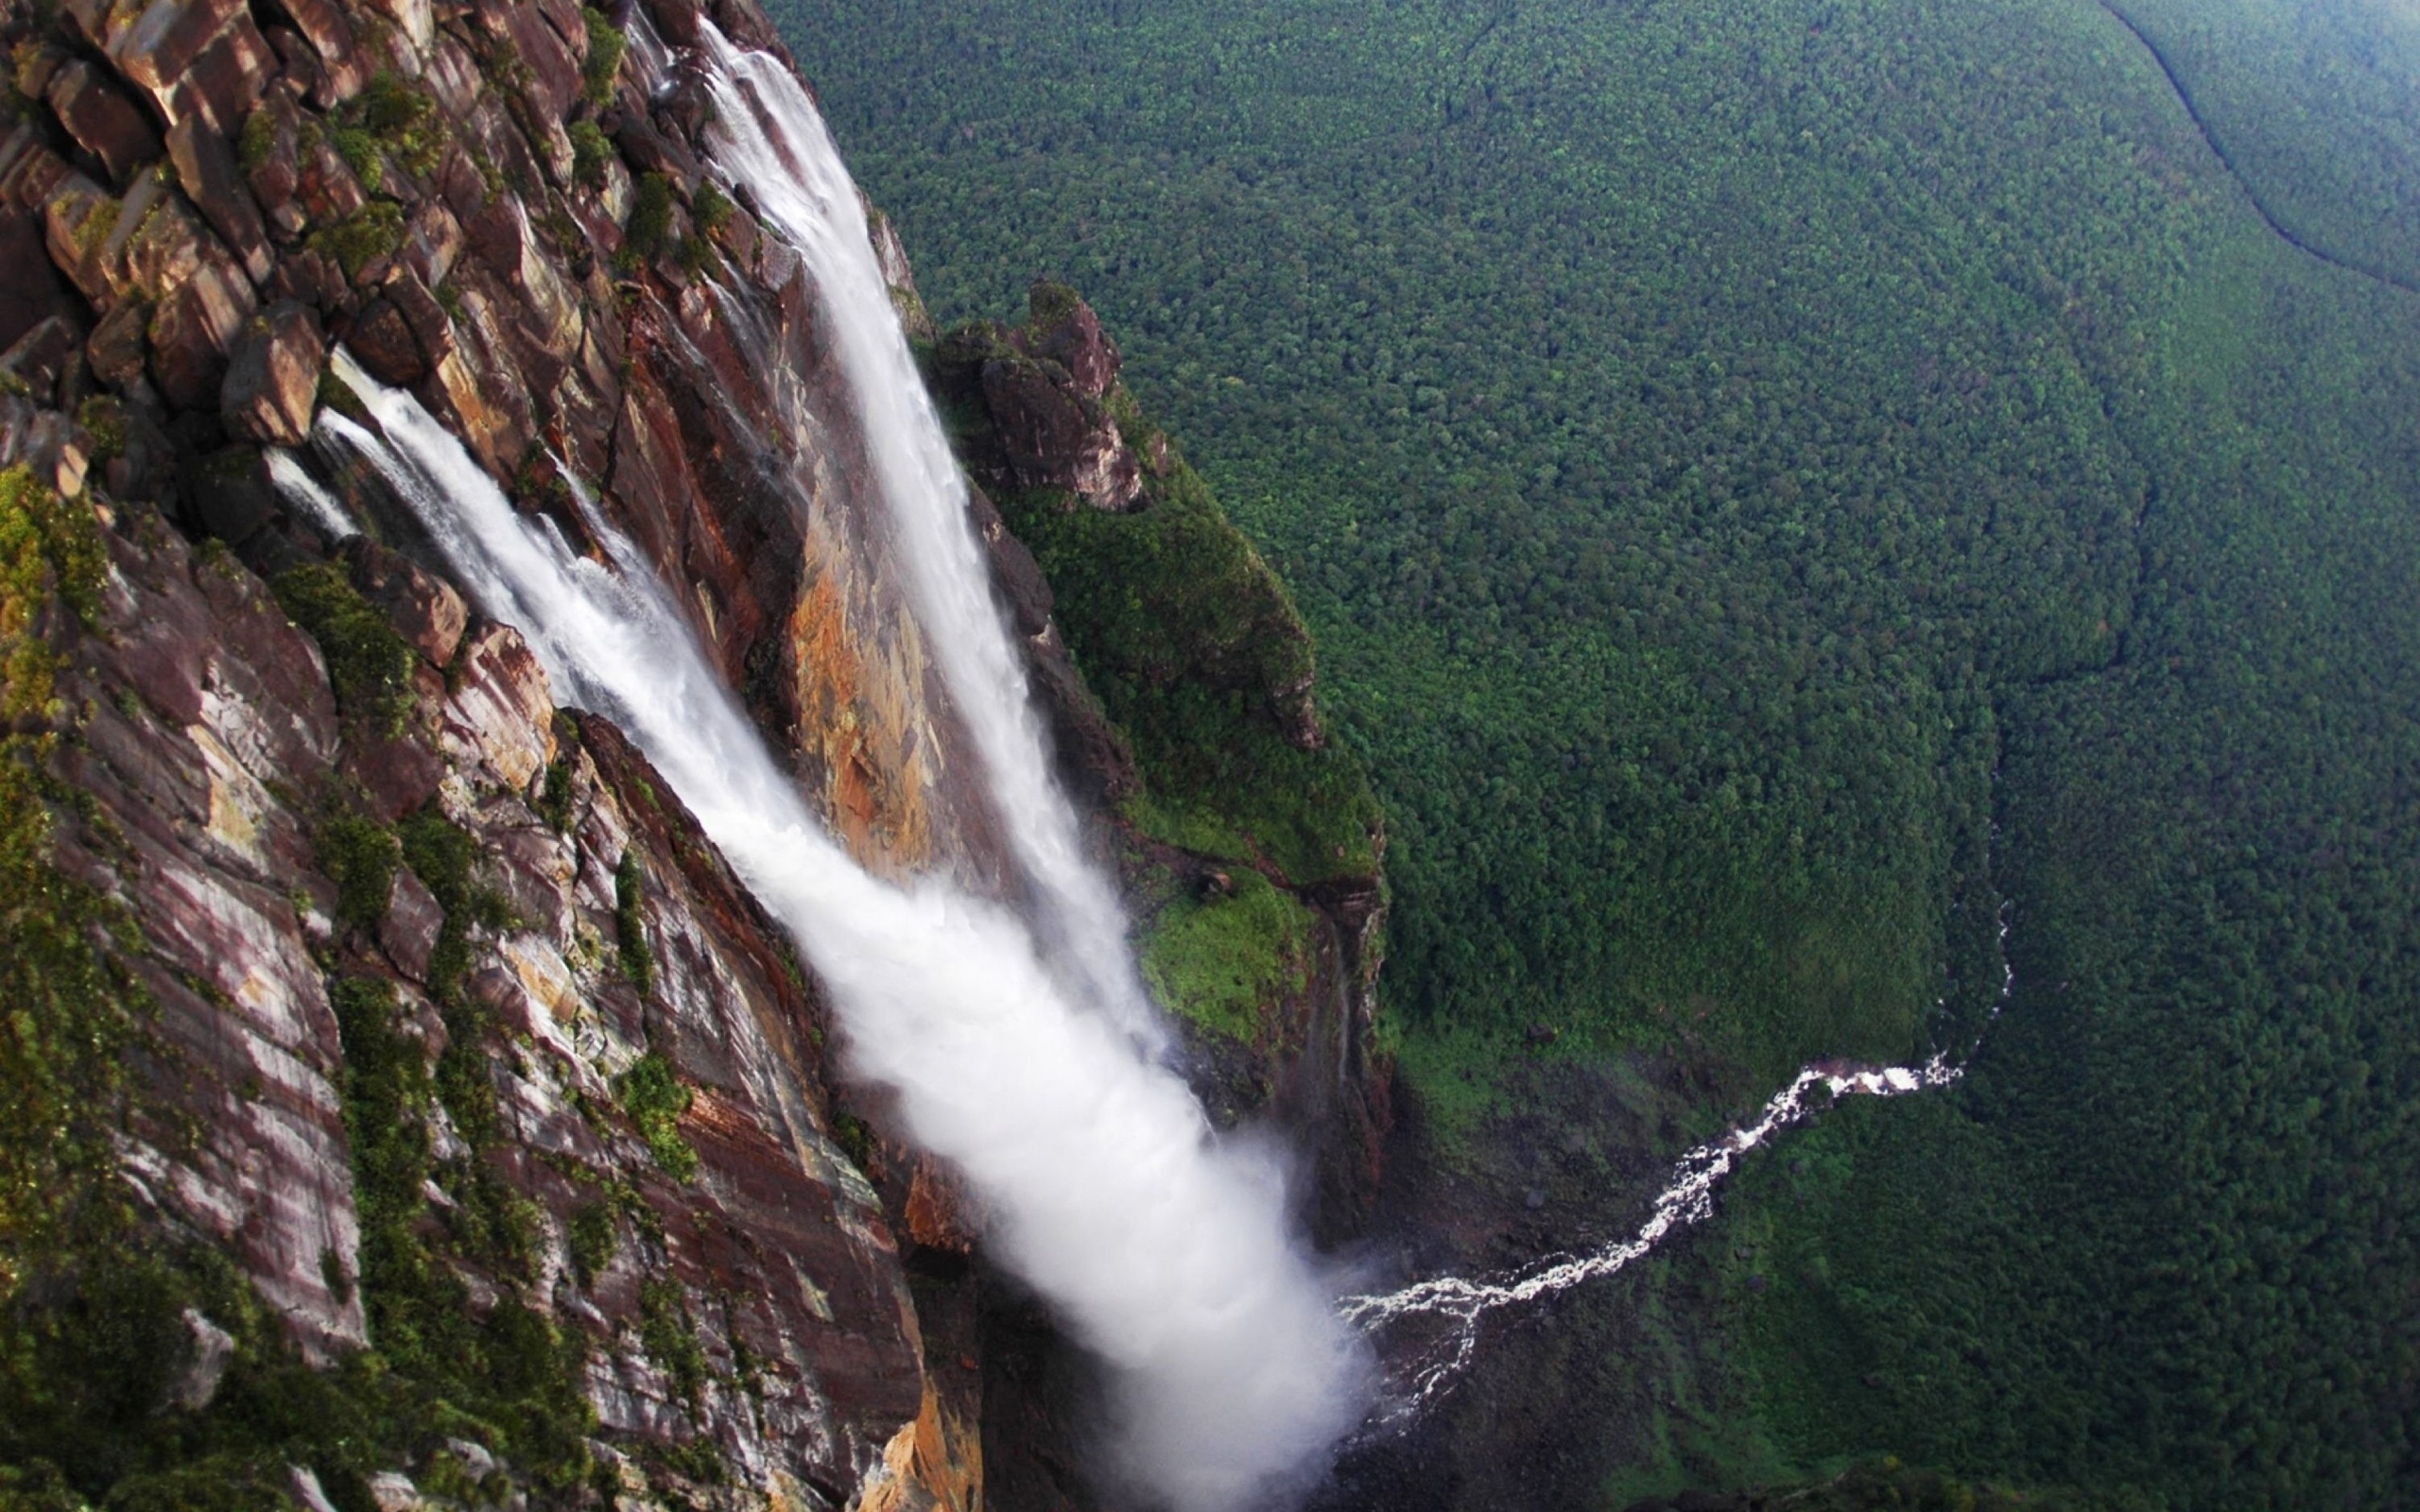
<point x="2314" y="105"/>
<point x="1737" y="456"/>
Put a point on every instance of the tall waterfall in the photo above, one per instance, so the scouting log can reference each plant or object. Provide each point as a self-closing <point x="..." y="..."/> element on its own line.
<point x="767" y="137"/>
<point x="1166" y="1250"/>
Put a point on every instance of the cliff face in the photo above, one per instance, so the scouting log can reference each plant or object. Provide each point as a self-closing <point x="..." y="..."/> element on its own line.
<point x="411" y="1104"/>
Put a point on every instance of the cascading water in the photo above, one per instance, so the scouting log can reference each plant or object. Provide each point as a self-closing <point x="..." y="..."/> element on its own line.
<point x="1426" y="1371"/>
<point x="767" y="137"/>
<point x="1165" y="1252"/>
<point x="1422" y="1368"/>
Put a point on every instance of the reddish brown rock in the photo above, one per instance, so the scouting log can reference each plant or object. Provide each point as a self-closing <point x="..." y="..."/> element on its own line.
<point x="1065" y="329"/>
<point x="33" y="291"/>
<point x="192" y="330"/>
<point x="117" y="348"/>
<point x="1057" y="436"/>
<point x="202" y="57"/>
<point x="206" y="172"/>
<point x="45" y="356"/>
<point x="425" y="611"/>
<point x="343" y="66"/>
<point x="102" y="120"/>
<point x="409" y="932"/>
<point x="675" y="20"/>
<point x="272" y="165"/>
<point x="273" y="376"/>
<point x="382" y="343"/>
<point x="231" y="494"/>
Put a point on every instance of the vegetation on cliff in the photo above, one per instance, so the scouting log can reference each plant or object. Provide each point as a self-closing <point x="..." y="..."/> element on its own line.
<point x="1195" y="651"/>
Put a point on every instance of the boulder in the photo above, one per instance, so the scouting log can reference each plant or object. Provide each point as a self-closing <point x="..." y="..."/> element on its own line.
<point x="272" y="162"/>
<point x="382" y="343"/>
<point x="231" y="494"/>
<point x="206" y="171"/>
<point x="42" y="357"/>
<point x="192" y="331"/>
<point x="425" y="611"/>
<point x="273" y="376"/>
<point x="1057" y="436"/>
<point x="33" y="292"/>
<point x="203" y="58"/>
<point x="117" y="348"/>
<point x="342" y="68"/>
<point x="102" y="119"/>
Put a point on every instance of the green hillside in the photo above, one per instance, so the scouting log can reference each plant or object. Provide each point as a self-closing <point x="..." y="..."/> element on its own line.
<point x="1710" y="439"/>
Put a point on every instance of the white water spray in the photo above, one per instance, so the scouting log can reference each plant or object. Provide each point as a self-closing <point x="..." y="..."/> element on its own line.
<point x="1165" y="1252"/>
<point x="767" y="137"/>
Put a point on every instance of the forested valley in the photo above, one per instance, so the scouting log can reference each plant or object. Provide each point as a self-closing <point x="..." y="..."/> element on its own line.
<point x="1785" y="488"/>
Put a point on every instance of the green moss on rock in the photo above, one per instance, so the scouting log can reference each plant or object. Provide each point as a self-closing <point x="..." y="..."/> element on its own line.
<point x="606" y="45"/>
<point x="1225" y="962"/>
<point x="654" y="1097"/>
<point x="369" y="665"/>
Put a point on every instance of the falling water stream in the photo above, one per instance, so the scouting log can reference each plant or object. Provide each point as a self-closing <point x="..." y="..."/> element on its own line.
<point x="767" y="137"/>
<point x="1024" y="1052"/>
<point x="1164" y="1249"/>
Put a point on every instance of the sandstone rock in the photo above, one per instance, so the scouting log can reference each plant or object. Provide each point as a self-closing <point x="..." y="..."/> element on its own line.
<point x="675" y="20"/>
<point x="42" y="357"/>
<point x="33" y="291"/>
<point x="342" y="66"/>
<point x="302" y="70"/>
<point x="202" y="57"/>
<point x="37" y="61"/>
<point x="382" y="343"/>
<point x="273" y="376"/>
<point x="432" y="329"/>
<point x="432" y="239"/>
<point x="191" y="331"/>
<point x="425" y="611"/>
<point x="44" y="440"/>
<point x="1057" y="436"/>
<point x="117" y="346"/>
<point x="409" y="932"/>
<point x="206" y="171"/>
<point x="416" y="17"/>
<point x="324" y="183"/>
<point x="273" y="164"/>
<point x="99" y="117"/>
<point x="231" y="494"/>
<point x="78" y="217"/>
<point x="1065" y="329"/>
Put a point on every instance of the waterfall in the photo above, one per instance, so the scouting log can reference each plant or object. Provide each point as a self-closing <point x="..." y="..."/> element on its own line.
<point x="767" y="137"/>
<point x="1166" y="1250"/>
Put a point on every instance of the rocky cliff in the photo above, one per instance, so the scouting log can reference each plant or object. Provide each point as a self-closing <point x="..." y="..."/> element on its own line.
<point x="405" y="1104"/>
